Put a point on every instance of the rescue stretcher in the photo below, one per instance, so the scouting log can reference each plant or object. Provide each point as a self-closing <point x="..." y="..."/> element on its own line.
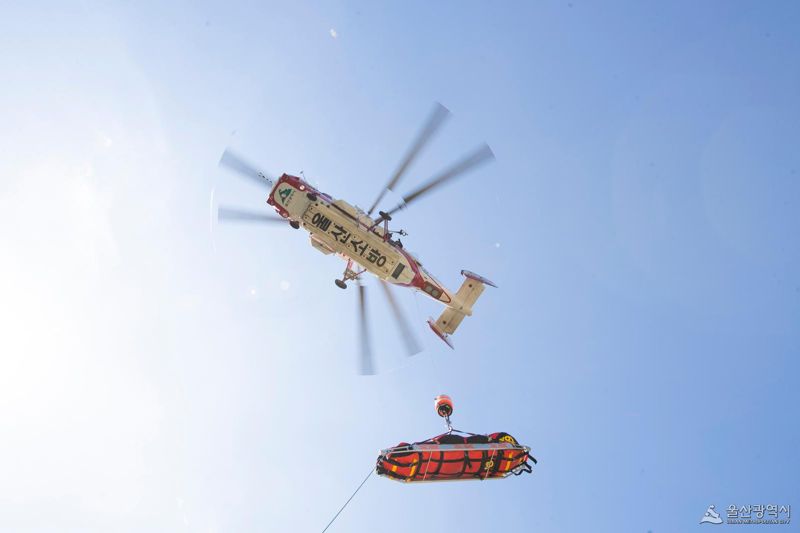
<point x="452" y="457"/>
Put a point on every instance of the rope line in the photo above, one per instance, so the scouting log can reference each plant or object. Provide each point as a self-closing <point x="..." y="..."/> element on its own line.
<point x="348" y="500"/>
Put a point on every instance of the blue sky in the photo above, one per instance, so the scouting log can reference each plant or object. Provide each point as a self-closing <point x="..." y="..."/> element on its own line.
<point x="162" y="373"/>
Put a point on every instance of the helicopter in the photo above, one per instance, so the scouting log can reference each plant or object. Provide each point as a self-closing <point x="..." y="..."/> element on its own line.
<point x="367" y="244"/>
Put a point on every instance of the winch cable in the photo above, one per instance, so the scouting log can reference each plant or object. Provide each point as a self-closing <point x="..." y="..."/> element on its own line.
<point x="348" y="500"/>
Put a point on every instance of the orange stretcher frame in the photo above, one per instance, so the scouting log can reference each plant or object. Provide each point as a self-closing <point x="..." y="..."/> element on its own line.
<point x="429" y="462"/>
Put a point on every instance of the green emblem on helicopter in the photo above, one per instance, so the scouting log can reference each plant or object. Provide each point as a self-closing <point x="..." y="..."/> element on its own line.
<point x="285" y="195"/>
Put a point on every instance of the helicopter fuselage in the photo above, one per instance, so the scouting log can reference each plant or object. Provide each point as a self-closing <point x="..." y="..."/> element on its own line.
<point x="336" y="227"/>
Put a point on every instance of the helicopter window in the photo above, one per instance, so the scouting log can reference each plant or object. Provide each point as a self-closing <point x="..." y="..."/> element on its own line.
<point x="398" y="270"/>
<point x="432" y="290"/>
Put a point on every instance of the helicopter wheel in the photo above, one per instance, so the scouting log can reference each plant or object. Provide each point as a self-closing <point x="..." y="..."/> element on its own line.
<point x="311" y="196"/>
<point x="295" y="224"/>
<point x="341" y="284"/>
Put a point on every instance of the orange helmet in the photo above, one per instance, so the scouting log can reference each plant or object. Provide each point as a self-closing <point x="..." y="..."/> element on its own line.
<point x="444" y="405"/>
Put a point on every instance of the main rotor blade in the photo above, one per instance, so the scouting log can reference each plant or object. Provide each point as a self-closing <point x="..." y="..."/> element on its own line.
<point x="366" y="366"/>
<point x="237" y="164"/>
<point x="230" y="214"/>
<point x="412" y="347"/>
<point x="435" y="120"/>
<point x="468" y="163"/>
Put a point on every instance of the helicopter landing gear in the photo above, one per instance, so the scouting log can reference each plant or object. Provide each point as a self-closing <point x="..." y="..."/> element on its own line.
<point x="295" y="224"/>
<point x="311" y="196"/>
<point x="349" y="274"/>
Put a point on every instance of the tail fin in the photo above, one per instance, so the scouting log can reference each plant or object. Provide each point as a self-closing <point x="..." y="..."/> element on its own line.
<point x="465" y="298"/>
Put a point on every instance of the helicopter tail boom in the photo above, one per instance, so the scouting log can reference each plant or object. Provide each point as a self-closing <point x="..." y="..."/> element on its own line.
<point x="465" y="298"/>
